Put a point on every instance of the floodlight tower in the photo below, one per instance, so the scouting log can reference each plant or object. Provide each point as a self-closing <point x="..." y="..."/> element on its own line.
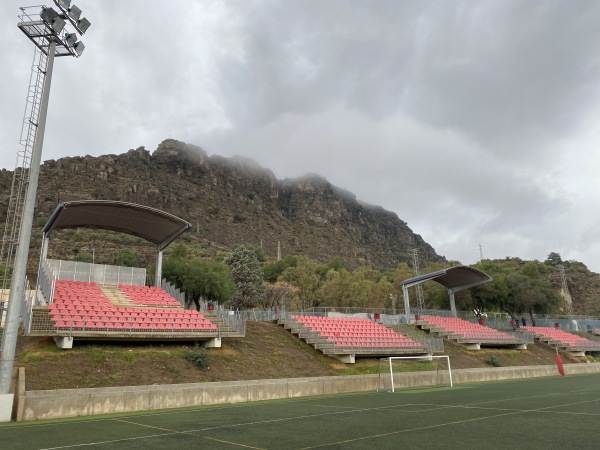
<point x="47" y="29"/>
<point x="418" y="287"/>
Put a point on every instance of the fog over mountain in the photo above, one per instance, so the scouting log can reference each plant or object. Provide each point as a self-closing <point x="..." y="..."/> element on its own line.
<point x="475" y="122"/>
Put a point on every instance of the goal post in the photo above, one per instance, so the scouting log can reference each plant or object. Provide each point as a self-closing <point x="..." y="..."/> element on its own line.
<point x="436" y="370"/>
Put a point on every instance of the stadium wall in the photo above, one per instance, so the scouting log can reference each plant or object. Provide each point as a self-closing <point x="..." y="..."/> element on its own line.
<point x="52" y="404"/>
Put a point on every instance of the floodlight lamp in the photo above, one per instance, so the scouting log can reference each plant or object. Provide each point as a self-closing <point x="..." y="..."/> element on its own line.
<point x="79" y="47"/>
<point x="70" y="39"/>
<point x="52" y="18"/>
<point x="74" y="13"/>
<point x="58" y="24"/>
<point x="48" y="15"/>
<point x="64" y="4"/>
<point x="83" y="25"/>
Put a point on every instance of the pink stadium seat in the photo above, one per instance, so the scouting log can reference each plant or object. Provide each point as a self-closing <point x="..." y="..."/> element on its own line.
<point x="562" y="337"/>
<point x="466" y="330"/>
<point x="351" y="332"/>
<point x="84" y="305"/>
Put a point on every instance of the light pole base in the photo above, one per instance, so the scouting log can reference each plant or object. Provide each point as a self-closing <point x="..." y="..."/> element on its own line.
<point x="6" y="406"/>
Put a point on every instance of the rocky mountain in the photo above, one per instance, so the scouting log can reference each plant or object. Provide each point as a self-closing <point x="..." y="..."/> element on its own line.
<point x="229" y="201"/>
<point x="235" y="201"/>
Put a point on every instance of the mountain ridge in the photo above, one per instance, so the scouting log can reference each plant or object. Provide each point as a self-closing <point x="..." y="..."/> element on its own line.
<point x="234" y="201"/>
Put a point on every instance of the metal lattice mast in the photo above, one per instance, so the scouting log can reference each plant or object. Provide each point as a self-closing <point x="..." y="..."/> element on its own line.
<point x="20" y="181"/>
<point x="565" y="291"/>
<point x="418" y="287"/>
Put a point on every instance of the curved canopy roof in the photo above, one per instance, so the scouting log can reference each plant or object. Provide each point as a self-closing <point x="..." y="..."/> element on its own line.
<point x="148" y="223"/>
<point x="454" y="278"/>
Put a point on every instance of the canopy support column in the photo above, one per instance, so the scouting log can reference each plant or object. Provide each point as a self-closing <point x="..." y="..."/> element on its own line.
<point x="452" y="302"/>
<point x="158" y="277"/>
<point x="406" y="303"/>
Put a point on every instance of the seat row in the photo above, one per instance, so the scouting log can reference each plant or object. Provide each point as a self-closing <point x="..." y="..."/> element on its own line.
<point x="113" y="311"/>
<point x="126" y="326"/>
<point x="562" y="337"/>
<point x="464" y="329"/>
<point x="148" y="295"/>
<point x="344" y="332"/>
<point x="56" y="316"/>
<point x="363" y="343"/>
<point x="366" y="334"/>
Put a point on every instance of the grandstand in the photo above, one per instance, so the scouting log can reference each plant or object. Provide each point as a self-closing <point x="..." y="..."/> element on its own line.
<point x="469" y="335"/>
<point x="346" y="338"/>
<point x="75" y="300"/>
<point x="561" y="340"/>
<point x="85" y="307"/>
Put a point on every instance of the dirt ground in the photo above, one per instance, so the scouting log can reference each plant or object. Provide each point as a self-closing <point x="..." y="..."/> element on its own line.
<point x="267" y="351"/>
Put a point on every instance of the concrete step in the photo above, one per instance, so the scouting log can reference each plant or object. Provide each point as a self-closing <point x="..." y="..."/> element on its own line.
<point x="117" y="296"/>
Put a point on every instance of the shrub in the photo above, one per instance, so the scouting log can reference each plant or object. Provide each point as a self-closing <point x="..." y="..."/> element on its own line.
<point x="199" y="357"/>
<point x="493" y="361"/>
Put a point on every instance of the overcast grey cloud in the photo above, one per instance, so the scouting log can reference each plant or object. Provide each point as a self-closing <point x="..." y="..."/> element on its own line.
<point x="475" y="121"/>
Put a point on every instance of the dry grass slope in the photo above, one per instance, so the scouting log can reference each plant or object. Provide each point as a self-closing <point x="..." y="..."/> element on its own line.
<point x="267" y="351"/>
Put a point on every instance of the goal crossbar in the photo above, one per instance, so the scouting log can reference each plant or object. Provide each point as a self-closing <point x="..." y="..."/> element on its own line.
<point x="417" y="358"/>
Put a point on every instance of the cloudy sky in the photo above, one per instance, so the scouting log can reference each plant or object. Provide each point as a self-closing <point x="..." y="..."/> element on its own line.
<point x="475" y="121"/>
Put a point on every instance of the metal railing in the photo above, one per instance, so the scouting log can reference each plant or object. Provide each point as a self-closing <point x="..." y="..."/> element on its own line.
<point x="173" y="292"/>
<point x="81" y="325"/>
<point x="45" y="284"/>
<point x="28" y="301"/>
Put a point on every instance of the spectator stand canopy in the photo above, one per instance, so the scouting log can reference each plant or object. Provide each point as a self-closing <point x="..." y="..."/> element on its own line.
<point x="455" y="279"/>
<point x="150" y="224"/>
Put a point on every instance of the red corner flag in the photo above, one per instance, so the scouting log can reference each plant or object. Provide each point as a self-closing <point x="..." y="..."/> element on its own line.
<point x="559" y="364"/>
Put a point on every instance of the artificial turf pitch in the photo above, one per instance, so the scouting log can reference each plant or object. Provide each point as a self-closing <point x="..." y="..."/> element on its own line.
<point x="553" y="413"/>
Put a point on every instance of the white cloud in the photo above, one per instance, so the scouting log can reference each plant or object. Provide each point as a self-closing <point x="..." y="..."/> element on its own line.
<point x="474" y="122"/>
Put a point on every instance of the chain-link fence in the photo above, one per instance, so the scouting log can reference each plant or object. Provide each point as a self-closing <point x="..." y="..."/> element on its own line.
<point x="98" y="273"/>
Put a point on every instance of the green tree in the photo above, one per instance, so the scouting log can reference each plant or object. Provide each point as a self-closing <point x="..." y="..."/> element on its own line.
<point x="337" y="264"/>
<point x="335" y="289"/>
<point x="199" y="279"/>
<point x="553" y="259"/>
<point x="380" y="295"/>
<point x="344" y="288"/>
<point x="178" y="251"/>
<point x="530" y="295"/>
<point x="303" y="276"/>
<point x="248" y="278"/>
<point x="517" y="288"/>
<point x="281" y="294"/>
<point x="273" y="270"/>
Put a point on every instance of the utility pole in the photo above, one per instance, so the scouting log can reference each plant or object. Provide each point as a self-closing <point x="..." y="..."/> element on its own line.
<point x="480" y="253"/>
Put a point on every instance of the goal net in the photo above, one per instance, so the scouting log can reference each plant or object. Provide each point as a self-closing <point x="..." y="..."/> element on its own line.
<point x="414" y="371"/>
